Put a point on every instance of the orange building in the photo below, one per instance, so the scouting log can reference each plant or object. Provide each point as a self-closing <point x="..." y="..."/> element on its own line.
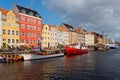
<point x="30" y="25"/>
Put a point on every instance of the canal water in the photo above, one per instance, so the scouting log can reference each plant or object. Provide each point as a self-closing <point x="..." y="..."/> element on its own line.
<point x="90" y="66"/>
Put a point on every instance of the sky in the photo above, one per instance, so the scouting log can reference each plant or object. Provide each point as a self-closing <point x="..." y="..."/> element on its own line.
<point x="92" y="15"/>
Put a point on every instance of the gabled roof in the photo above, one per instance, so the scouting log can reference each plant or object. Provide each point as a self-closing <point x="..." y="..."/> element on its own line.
<point x="1" y="9"/>
<point x="4" y="11"/>
<point x="35" y="13"/>
<point x="68" y="27"/>
<point x="78" y="30"/>
<point x="97" y="34"/>
<point x="54" y="27"/>
<point x="62" y="29"/>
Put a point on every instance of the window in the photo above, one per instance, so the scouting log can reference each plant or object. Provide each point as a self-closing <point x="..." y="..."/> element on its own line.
<point x="13" y="41"/>
<point x="28" y="41"/>
<point x="23" y="26"/>
<point x="22" y="18"/>
<point x="23" y="41"/>
<point x="23" y="11"/>
<point x="3" y="16"/>
<point x="46" y="28"/>
<point x="34" y="35"/>
<point x="8" y="17"/>
<point x="23" y="33"/>
<point x="39" y="22"/>
<point x="4" y="40"/>
<point x="36" y="15"/>
<point x="13" y="18"/>
<point x="3" y="23"/>
<point x="17" y="33"/>
<point x="17" y="41"/>
<point x="34" y="42"/>
<point x="29" y="27"/>
<point x="28" y="34"/>
<point x="34" y="27"/>
<point x="31" y="13"/>
<point x="12" y="25"/>
<point x="34" y="21"/>
<point x="38" y="35"/>
<point x="8" y="32"/>
<point x="29" y="19"/>
<point x="4" y="31"/>
<point x="38" y="28"/>
<point x="9" y="41"/>
<point x="17" y="19"/>
<point x="8" y="23"/>
<point x="13" y="32"/>
<point x="17" y="25"/>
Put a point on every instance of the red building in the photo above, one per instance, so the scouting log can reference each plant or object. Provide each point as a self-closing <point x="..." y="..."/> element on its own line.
<point x="30" y="25"/>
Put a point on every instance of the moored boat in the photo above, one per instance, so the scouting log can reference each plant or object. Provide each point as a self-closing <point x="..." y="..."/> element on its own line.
<point x="36" y="56"/>
<point x="113" y="46"/>
<point x="2" y="59"/>
<point x="70" y="50"/>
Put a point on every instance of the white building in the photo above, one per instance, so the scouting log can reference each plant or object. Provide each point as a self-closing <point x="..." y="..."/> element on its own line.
<point x="89" y="39"/>
<point x="53" y="36"/>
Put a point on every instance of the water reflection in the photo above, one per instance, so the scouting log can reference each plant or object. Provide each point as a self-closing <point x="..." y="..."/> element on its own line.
<point x="91" y="66"/>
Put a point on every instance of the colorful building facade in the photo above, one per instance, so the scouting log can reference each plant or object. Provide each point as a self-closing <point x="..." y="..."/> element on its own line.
<point x="45" y="36"/>
<point x="72" y="32"/>
<point x="89" y="39"/>
<point x="53" y="36"/>
<point x="63" y="36"/>
<point x="0" y="27"/>
<point x="9" y="28"/>
<point x="30" y="25"/>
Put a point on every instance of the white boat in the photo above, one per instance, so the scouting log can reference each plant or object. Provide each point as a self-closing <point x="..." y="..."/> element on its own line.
<point x="114" y="46"/>
<point x="2" y="59"/>
<point x="38" y="56"/>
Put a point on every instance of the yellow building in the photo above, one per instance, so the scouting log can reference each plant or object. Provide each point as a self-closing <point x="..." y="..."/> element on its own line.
<point x="45" y="36"/>
<point x="10" y="28"/>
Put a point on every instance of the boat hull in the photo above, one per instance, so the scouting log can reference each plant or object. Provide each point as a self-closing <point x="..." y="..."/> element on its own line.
<point x="113" y="47"/>
<point x="2" y="59"/>
<point x="75" y="51"/>
<point x="37" y="56"/>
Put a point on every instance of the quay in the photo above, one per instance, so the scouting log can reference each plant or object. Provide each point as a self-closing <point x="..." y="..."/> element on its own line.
<point x="15" y="55"/>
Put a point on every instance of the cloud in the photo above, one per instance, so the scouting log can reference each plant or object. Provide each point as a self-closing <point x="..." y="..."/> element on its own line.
<point x="93" y="15"/>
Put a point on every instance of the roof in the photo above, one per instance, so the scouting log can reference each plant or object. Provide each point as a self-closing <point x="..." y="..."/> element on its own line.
<point x="62" y="29"/>
<point x="53" y="27"/>
<point x="68" y="26"/>
<point x="35" y="13"/>
<point x="4" y="11"/>
<point x="97" y="34"/>
<point x="78" y="30"/>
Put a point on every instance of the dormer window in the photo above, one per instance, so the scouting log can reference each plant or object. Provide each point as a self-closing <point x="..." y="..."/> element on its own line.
<point x="73" y="29"/>
<point x="31" y="13"/>
<point x="23" y="11"/>
<point x="36" y="15"/>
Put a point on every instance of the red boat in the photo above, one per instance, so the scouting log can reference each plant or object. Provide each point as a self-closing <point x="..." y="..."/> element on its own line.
<point x="75" y="51"/>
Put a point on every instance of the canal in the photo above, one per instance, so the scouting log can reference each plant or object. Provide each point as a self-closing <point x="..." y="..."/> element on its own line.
<point x="91" y="66"/>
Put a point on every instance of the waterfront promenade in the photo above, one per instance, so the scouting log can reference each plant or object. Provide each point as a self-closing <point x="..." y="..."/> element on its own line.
<point x="95" y="65"/>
